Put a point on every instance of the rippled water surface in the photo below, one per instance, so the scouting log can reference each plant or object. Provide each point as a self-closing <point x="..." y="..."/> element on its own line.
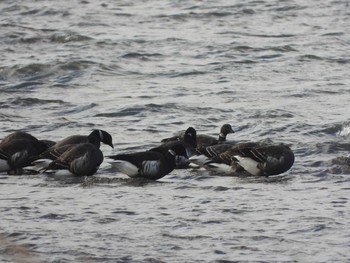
<point x="144" y="69"/>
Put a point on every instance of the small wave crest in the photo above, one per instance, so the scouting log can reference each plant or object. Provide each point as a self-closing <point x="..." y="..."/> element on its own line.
<point x="29" y="74"/>
<point x="68" y="37"/>
<point x="344" y="131"/>
<point x="141" y="56"/>
<point x="139" y="110"/>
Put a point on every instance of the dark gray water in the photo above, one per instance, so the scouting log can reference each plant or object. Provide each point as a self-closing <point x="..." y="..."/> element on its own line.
<point x="145" y="69"/>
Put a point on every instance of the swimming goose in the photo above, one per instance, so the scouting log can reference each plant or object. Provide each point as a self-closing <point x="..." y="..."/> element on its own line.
<point x="189" y="142"/>
<point x="99" y="135"/>
<point x="82" y="159"/>
<point x="254" y="158"/>
<point x="151" y="165"/>
<point x="15" y="154"/>
<point x="206" y="140"/>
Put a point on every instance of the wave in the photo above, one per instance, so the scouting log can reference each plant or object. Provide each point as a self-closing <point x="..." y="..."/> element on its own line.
<point x="28" y="102"/>
<point x="241" y="33"/>
<point x="141" y="56"/>
<point x="20" y="34"/>
<point x="283" y="48"/>
<point x="140" y="110"/>
<point x="34" y="74"/>
<point x="68" y="37"/>
<point x="24" y="86"/>
<point x="76" y="109"/>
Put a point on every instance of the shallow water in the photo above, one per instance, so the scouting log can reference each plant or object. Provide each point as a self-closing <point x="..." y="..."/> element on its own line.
<point x="143" y="70"/>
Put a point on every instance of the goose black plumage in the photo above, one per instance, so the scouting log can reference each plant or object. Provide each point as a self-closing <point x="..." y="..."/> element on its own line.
<point x="99" y="135"/>
<point x="189" y="142"/>
<point x="81" y="159"/>
<point x="205" y="140"/>
<point x="253" y="158"/>
<point x="151" y="165"/>
<point x="17" y="151"/>
<point x="60" y="147"/>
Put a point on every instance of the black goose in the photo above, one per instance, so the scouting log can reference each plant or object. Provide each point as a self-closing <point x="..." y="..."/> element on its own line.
<point x="253" y="158"/>
<point x="189" y="142"/>
<point x="99" y="135"/>
<point x="95" y="137"/>
<point x="15" y="154"/>
<point x="59" y="148"/>
<point x="151" y="165"/>
<point x="206" y="140"/>
<point x="82" y="159"/>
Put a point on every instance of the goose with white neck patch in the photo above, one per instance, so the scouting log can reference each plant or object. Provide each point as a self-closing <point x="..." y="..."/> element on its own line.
<point x="82" y="159"/>
<point x="98" y="135"/>
<point x="151" y="165"/>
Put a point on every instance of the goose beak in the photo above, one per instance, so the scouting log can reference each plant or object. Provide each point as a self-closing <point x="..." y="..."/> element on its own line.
<point x="111" y="145"/>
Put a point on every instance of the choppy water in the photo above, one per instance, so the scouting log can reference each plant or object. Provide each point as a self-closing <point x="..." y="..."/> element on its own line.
<point x="145" y="69"/>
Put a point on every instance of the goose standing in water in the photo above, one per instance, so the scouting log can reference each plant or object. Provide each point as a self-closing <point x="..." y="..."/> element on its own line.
<point x="151" y="165"/>
<point x="82" y="159"/>
<point x="253" y="158"/>
<point x="95" y="137"/>
<point x="98" y="135"/>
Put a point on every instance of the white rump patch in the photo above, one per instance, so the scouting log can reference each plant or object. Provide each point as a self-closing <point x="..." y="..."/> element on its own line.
<point x="60" y="173"/>
<point x="199" y="160"/>
<point x="125" y="167"/>
<point x="219" y="168"/>
<point x="249" y="165"/>
<point x="40" y="164"/>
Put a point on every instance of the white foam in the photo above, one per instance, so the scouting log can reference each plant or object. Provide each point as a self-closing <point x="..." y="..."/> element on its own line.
<point x="345" y="131"/>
